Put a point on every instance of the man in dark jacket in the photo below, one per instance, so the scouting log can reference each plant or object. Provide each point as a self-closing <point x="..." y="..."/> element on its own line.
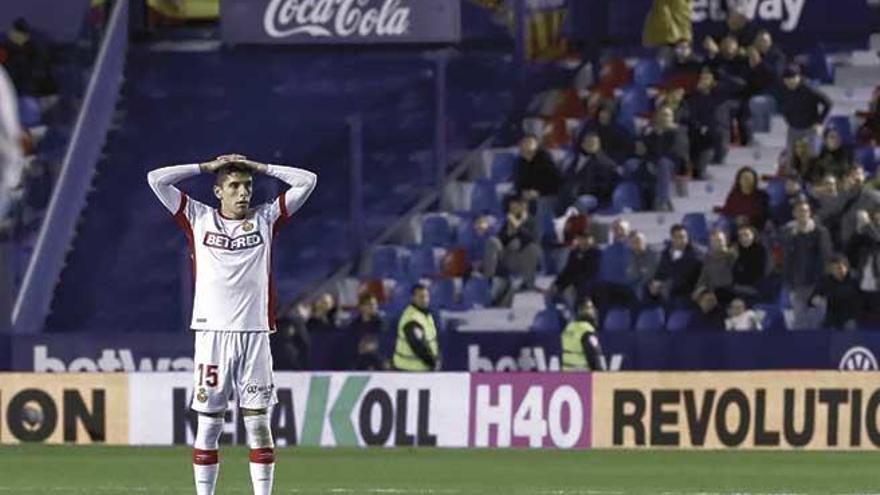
<point x="616" y="141"/>
<point x="806" y="245"/>
<point x="536" y="174"/>
<point x="710" y="315"/>
<point x="591" y="172"/>
<point x="678" y="271"/>
<point x="803" y="107"/>
<point x="710" y="126"/>
<point x="515" y="249"/>
<point x="365" y="332"/>
<point x="839" y="292"/>
<point x="581" y="267"/>
<point x="666" y="139"/>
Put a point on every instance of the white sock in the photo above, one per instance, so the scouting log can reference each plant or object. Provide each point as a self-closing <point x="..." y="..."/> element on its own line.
<point x="206" y="460"/>
<point x="262" y="456"/>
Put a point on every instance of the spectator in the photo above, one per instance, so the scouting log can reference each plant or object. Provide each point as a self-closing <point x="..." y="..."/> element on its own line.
<point x="678" y="271"/>
<point x="804" y="108"/>
<point x="733" y="67"/>
<point x="741" y="27"/>
<point x="591" y="172"/>
<point x="323" y="315"/>
<point x="477" y="237"/>
<point x="417" y="347"/>
<point x="802" y="163"/>
<point x="367" y="329"/>
<point x="709" y="316"/>
<point x="770" y="54"/>
<point x="717" y="272"/>
<point x="684" y="66"/>
<point x="854" y="195"/>
<point x="616" y="256"/>
<point x="580" y="269"/>
<point x="863" y="253"/>
<point x="616" y="140"/>
<point x="290" y="345"/>
<point x="580" y="345"/>
<point x="536" y="174"/>
<point x="834" y="158"/>
<point x="869" y="131"/>
<point x="750" y="266"/>
<point x="709" y="122"/>
<point x="746" y="204"/>
<point x="667" y="139"/>
<point x="806" y="245"/>
<point x="673" y="98"/>
<point x="515" y="249"/>
<point x="642" y="263"/>
<point x="28" y="61"/>
<point x="839" y="292"/>
<point x="651" y="177"/>
<point x="740" y="318"/>
<point x="668" y="22"/>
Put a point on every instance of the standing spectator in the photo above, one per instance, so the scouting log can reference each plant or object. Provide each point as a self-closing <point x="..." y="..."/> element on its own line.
<point x="323" y="316"/>
<point x="863" y="253"/>
<point x="580" y="345"/>
<point x="417" y="347"/>
<point x="366" y="329"/>
<point x="717" y="273"/>
<point x="839" y="292"/>
<point x="770" y="54"/>
<point x="835" y="157"/>
<point x="591" y="172"/>
<point x="740" y="318"/>
<point x="807" y="245"/>
<point x="580" y="269"/>
<point x="802" y="164"/>
<point x="854" y="196"/>
<point x="616" y="140"/>
<point x="803" y="107"/>
<point x="678" y="271"/>
<point x="746" y="204"/>
<point x="666" y="139"/>
<point x="741" y="27"/>
<point x="710" y="125"/>
<point x="516" y="248"/>
<point x="710" y="315"/>
<point x="290" y="344"/>
<point x="668" y="22"/>
<point x="536" y="174"/>
<point x="642" y="264"/>
<point x="684" y="66"/>
<point x="28" y="61"/>
<point x="751" y="263"/>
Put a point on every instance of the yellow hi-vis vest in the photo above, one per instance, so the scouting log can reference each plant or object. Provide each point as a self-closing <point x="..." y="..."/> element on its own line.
<point x="404" y="357"/>
<point x="573" y="357"/>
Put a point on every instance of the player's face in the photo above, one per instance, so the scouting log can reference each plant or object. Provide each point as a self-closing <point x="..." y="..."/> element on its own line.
<point x="235" y="194"/>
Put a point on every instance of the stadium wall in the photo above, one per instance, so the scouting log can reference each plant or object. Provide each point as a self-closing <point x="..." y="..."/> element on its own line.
<point x="811" y="410"/>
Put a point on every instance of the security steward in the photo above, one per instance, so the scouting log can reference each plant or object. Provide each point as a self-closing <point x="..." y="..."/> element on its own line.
<point x="580" y="346"/>
<point x="417" y="348"/>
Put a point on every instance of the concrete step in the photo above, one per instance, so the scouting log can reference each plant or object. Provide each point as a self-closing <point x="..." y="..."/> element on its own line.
<point x="857" y="75"/>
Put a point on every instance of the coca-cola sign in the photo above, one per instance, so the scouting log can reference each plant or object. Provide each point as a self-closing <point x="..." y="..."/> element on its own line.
<point x="340" y="21"/>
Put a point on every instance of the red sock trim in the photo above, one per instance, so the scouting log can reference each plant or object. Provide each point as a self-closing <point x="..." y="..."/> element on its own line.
<point x="205" y="457"/>
<point x="263" y="456"/>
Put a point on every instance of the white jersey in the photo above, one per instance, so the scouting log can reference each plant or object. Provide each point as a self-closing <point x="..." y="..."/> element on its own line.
<point x="232" y="259"/>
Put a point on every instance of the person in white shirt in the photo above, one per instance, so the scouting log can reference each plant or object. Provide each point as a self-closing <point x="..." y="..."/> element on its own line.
<point x="742" y="319"/>
<point x="233" y="303"/>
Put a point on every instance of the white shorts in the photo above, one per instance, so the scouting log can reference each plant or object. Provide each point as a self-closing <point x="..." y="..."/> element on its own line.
<point x="232" y="365"/>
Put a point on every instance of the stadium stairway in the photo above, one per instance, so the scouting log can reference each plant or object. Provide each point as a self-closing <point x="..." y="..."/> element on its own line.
<point x="185" y="102"/>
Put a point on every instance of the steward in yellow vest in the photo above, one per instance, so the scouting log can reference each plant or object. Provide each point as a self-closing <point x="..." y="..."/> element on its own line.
<point x="580" y="346"/>
<point x="417" y="348"/>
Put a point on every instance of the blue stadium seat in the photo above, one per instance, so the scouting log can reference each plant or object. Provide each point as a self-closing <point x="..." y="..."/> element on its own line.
<point x="633" y="102"/>
<point x="626" y="198"/>
<point x="397" y="300"/>
<point x="386" y="262"/>
<point x="819" y="67"/>
<point x="484" y="198"/>
<point x="773" y="320"/>
<point x="586" y="203"/>
<point x="503" y="165"/>
<point x="866" y="158"/>
<point x="697" y="227"/>
<point x="615" y="258"/>
<point x="651" y="320"/>
<point x="617" y="320"/>
<point x="843" y="126"/>
<point x="421" y="263"/>
<point x="647" y="72"/>
<point x="476" y="292"/>
<point x="776" y="192"/>
<point x="442" y="293"/>
<point x="679" y="320"/>
<point x="436" y="231"/>
<point x="547" y="320"/>
<point x="29" y="113"/>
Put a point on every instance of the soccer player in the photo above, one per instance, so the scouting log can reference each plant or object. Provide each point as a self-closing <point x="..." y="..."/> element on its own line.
<point x="233" y="303"/>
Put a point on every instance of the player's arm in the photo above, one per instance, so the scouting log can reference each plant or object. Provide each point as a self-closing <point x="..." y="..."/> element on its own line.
<point x="301" y="182"/>
<point x="162" y="180"/>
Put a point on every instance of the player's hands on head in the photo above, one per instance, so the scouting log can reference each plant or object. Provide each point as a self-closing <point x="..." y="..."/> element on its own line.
<point x="217" y="163"/>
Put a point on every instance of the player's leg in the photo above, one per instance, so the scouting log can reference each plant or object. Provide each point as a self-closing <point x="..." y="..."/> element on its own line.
<point x="212" y="388"/>
<point x="256" y="394"/>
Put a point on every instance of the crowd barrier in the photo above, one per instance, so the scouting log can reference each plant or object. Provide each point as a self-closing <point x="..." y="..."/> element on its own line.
<point x="811" y="410"/>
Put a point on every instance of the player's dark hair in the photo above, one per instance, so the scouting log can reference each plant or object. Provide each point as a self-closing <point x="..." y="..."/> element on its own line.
<point x="229" y="169"/>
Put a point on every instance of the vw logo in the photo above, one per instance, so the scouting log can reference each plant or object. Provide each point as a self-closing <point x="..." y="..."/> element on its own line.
<point x="858" y="359"/>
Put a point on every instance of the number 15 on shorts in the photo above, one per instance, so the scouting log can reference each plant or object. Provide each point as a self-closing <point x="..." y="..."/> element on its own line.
<point x="208" y="376"/>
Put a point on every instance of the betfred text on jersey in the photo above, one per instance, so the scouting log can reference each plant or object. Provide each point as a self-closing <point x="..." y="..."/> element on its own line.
<point x="222" y="241"/>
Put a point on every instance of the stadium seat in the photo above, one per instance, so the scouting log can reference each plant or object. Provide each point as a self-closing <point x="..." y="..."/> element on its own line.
<point x="442" y="293"/>
<point x="617" y="320"/>
<point x="421" y="263"/>
<point x="476" y="292"/>
<point x="633" y="102"/>
<point x="586" y="203"/>
<point x="651" y="320"/>
<point x="484" y="198"/>
<point x="776" y="192"/>
<point x="626" y="198"/>
<point x="503" y="165"/>
<point x="436" y="231"/>
<point x="29" y="113"/>
<point x="773" y="320"/>
<point x="615" y="259"/>
<point x="819" y="67"/>
<point x="697" y="227"/>
<point x="647" y="72"/>
<point x="386" y="262"/>
<point x="399" y="298"/>
<point x="547" y="320"/>
<point x="679" y="320"/>
<point x="866" y="158"/>
<point x="843" y="126"/>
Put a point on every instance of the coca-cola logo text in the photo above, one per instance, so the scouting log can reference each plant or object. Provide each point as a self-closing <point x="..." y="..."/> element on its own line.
<point x="342" y="18"/>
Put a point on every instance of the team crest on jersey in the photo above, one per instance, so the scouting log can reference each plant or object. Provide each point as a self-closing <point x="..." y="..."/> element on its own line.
<point x="202" y="396"/>
<point x="247" y="226"/>
<point x="222" y="241"/>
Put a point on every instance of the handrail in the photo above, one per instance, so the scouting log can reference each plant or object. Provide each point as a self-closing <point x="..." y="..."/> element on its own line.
<point x="78" y="169"/>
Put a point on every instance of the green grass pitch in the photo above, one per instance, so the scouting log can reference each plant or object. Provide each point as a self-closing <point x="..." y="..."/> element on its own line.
<point x="34" y="469"/>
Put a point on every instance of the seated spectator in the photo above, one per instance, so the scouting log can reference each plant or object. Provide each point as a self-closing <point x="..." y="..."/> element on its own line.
<point x="770" y="54"/>
<point x="614" y="287"/>
<point x="616" y="140"/>
<point x="323" y="315"/>
<point x="863" y="253"/>
<point x="652" y="178"/>
<point x="853" y="196"/>
<point x="581" y="268"/>
<point x="834" y="158"/>
<point x="710" y="315"/>
<point x="746" y="204"/>
<point x="366" y="328"/>
<point x="684" y="65"/>
<point x="673" y="98"/>
<point x="743" y="29"/>
<point x="803" y="107"/>
<point x="28" y="61"/>
<point x="666" y="139"/>
<point x="478" y="235"/>
<point x="678" y="271"/>
<point x="806" y="245"/>
<point x="839" y="292"/>
<point x="717" y="272"/>
<point x="751" y="263"/>
<point x="642" y="263"/>
<point x="591" y="172"/>
<point x="536" y="174"/>
<point x="802" y="163"/>
<point x="515" y="250"/>
<point x="709" y="122"/>
<point x="740" y="318"/>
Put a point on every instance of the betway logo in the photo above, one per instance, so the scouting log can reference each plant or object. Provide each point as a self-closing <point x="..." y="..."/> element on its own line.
<point x="342" y="18"/>
<point x="530" y="359"/>
<point x="110" y="360"/>
<point x="786" y="12"/>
